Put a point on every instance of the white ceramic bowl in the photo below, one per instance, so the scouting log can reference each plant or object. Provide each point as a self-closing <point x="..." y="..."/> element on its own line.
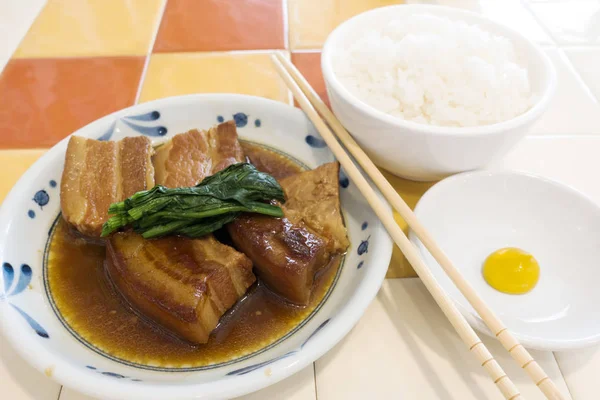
<point x="475" y="213"/>
<point x="32" y="325"/>
<point x="423" y="152"/>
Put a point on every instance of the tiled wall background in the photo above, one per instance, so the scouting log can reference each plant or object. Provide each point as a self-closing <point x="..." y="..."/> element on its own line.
<point x="65" y="63"/>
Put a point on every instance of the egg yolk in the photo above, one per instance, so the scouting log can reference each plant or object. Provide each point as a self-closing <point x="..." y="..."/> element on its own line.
<point x="511" y="270"/>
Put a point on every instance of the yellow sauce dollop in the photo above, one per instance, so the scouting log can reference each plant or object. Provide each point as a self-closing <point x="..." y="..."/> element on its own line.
<point x="511" y="270"/>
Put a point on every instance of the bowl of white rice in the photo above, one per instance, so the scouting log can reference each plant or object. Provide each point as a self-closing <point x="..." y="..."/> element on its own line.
<point x="430" y="91"/>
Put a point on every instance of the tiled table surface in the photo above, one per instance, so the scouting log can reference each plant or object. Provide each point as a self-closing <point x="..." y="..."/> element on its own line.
<point x="65" y="63"/>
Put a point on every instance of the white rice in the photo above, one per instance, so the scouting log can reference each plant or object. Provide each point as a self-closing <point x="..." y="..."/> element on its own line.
<point x="432" y="70"/>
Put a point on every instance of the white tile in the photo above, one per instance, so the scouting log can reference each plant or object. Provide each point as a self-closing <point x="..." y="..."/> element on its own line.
<point x="587" y="63"/>
<point x="403" y="347"/>
<point x="570" y="22"/>
<point x="300" y="386"/>
<point x="573" y="110"/>
<point x="70" y="394"/>
<point x="507" y="12"/>
<point x="16" y="16"/>
<point x="581" y="370"/>
<point x="20" y="381"/>
<point x="571" y="160"/>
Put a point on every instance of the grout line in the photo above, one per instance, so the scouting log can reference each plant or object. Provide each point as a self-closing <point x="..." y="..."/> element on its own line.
<point x="149" y="52"/>
<point x="33" y="17"/>
<point x="541" y="23"/>
<point x="580" y="46"/>
<point x="286" y="27"/>
<point x="307" y="50"/>
<point x="593" y="135"/>
<point x="315" y="379"/>
<point x="562" y="374"/>
<point x="575" y="72"/>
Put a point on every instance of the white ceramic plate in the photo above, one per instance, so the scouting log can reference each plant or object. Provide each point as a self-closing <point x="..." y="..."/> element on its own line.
<point x="473" y="214"/>
<point x="30" y="323"/>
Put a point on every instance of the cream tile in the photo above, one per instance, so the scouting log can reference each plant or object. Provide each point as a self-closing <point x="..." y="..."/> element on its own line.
<point x="570" y="22"/>
<point x="571" y="160"/>
<point x="403" y="347"/>
<point x="311" y="21"/>
<point x="587" y="63"/>
<point x="511" y="13"/>
<point x="300" y="386"/>
<point x="172" y="74"/>
<point x="573" y="110"/>
<point x="580" y="369"/>
<point x="16" y="17"/>
<point x="19" y="381"/>
<point x="74" y="28"/>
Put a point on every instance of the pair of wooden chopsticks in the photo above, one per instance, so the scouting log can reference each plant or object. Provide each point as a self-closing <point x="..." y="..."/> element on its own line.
<point x="312" y="105"/>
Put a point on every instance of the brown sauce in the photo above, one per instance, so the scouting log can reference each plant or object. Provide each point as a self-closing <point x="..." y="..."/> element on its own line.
<point x="89" y="306"/>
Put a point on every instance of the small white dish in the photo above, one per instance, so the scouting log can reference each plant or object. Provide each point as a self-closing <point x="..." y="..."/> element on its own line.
<point x="470" y="215"/>
<point x="34" y="326"/>
<point x="423" y="152"/>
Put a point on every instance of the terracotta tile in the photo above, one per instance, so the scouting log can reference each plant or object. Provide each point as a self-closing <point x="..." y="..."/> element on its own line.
<point x="92" y="28"/>
<point x="184" y="73"/>
<point x="309" y="64"/>
<point x="215" y="25"/>
<point x="44" y="100"/>
<point x="310" y="21"/>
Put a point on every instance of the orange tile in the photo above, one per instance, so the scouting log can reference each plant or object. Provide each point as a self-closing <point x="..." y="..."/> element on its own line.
<point x="216" y="25"/>
<point x="309" y="64"/>
<point x="44" y="100"/>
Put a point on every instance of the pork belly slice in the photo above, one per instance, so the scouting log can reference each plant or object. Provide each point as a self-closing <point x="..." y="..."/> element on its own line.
<point x="287" y="252"/>
<point x="98" y="173"/>
<point x="313" y="199"/>
<point x="286" y="255"/>
<point x="184" y="285"/>
<point x="192" y="156"/>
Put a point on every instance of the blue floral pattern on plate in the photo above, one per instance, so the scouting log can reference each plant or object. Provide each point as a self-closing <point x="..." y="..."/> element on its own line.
<point x="24" y="278"/>
<point x="112" y="374"/>
<point x="41" y="198"/>
<point x="135" y="123"/>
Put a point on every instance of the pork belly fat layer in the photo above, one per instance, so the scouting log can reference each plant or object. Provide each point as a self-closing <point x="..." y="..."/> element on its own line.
<point x="288" y="252"/>
<point x="98" y="173"/>
<point x="192" y="156"/>
<point x="184" y="285"/>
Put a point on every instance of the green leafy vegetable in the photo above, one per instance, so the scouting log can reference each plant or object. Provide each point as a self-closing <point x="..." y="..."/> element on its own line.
<point x="199" y="210"/>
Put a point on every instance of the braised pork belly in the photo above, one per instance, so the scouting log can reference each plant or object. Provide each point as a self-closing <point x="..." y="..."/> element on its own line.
<point x="287" y="252"/>
<point x="192" y="156"/>
<point x="185" y="285"/>
<point x="99" y="173"/>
